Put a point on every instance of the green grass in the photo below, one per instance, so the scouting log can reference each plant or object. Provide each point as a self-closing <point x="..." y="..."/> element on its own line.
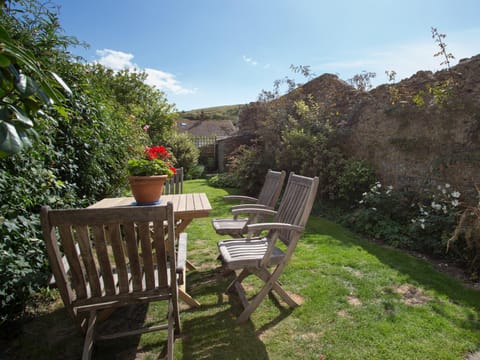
<point x="360" y="301"/>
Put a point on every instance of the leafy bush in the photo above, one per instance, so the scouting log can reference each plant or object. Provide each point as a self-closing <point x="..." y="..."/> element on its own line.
<point x="80" y="149"/>
<point x="435" y="220"/>
<point x="223" y="180"/>
<point x="25" y="183"/>
<point x="247" y="168"/>
<point x="196" y="172"/>
<point x="184" y="151"/>
<point x="465" y="240"/>
<point x="356" y="178"/>
<point x="383" y="214"/>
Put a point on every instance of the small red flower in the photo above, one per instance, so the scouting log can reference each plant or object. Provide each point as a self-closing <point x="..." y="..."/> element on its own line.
<point x="157" y="152"/>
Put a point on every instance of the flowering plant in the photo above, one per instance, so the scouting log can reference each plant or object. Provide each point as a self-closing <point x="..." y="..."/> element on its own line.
<point x="156" y="160"/>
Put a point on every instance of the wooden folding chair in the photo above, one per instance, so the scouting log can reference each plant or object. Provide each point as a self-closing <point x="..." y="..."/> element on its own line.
<point x="267" y="199"/>
<point x="112" y="257"/>
<point x="174" y="185"/>
<point x="255" y="255"/>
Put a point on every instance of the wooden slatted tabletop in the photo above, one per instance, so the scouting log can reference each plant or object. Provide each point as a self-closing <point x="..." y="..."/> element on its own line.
<point x="185" y="206"/>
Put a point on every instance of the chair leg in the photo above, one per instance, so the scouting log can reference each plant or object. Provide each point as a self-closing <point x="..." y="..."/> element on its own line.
<point x="171" y="336"/>
<point x="270" y="283"/>
<point x="88" y="343"/>
<point x="253" y="304"/>
<point x="264" y="275"/>
<point x="238" y="279"/>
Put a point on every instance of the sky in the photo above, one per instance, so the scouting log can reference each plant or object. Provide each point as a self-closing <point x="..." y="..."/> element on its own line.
<point x="204" y="53"/>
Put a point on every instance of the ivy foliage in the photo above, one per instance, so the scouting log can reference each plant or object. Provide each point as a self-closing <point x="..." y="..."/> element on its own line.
<point x="79" y="137"/>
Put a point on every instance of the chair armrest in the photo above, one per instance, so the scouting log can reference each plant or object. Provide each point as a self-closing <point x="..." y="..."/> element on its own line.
<point x="252" y="206"/>
<point x="181" y="255"/>
<point x="273" y="226"/>
<point x="254" y="211"/>
<point x="240" y="198"/>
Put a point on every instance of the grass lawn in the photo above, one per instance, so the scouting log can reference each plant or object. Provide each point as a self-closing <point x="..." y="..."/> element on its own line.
<point x="359" y="301"/>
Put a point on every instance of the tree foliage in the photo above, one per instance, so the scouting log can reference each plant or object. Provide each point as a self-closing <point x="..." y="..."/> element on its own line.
<point x="81" y="136"/>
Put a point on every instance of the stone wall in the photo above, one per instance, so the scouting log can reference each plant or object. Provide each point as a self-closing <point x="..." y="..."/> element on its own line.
<point x="416" y="139"/>
<point x="420" y="132"/>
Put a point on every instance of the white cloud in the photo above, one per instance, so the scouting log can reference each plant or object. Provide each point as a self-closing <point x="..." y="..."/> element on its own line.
<point x="249" y="60"/>
<point x="115" y="60"/>
<point x="164" y="81"/>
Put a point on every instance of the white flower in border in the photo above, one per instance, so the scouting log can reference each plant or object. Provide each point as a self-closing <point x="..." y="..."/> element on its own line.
<point x="436" y="206"/>
<point x="447" y="186"/>
<point x="455" y="203"/>
<point x="456" y="194"/>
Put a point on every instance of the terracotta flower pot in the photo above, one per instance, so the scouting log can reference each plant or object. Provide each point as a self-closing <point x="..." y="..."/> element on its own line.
<point x="147" y="189"/>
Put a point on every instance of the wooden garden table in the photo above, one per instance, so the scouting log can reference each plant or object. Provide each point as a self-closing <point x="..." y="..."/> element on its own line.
<point x="185" y="206"/>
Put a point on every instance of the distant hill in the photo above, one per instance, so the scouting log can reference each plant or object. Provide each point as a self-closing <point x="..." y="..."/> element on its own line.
<point x="227" y="112"/>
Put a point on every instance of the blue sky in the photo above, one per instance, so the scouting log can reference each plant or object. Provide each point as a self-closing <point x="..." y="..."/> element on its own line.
<point x="205" y="53"/>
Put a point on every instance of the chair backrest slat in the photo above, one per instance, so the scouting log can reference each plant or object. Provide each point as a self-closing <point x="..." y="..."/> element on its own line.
<point x="147" y="255"/>
<point x="160" y="253"/>
<point x="119" y="257"/>
<point x="133" y="258"/>
<point x="296" y="204"/>
<point x="77" y="275"/>
<point x="271" y="189"/>
<point x="88" y="261"/>
<point x="103" y="259"/>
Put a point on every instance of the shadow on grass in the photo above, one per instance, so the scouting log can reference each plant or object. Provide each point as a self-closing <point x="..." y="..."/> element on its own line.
<point x="419" y="271"/>
<point x="49" y="336"/>
<point x="123" y="319"/>
<point x="54" y="336"/>
<point x="211" y="331"/>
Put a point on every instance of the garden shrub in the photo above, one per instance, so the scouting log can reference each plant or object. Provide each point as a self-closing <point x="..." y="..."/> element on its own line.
<point x="223" y="180"/>
<point x="384" y="214"/>
<point x="435" y="221"/>
<point x="26" y="182"/>
<point x="465" y="239"/>
<point x="248" y="169"/>
<point x="184" y="151"/>
<point x="79" y="153"/>
<point x="356" y="178"/>
<point x="196" y="172"/>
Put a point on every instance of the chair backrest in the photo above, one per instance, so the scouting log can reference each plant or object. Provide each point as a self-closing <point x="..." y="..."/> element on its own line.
<point x="271" y="189"/>
<point x="296" y="204"/>
<point x="174" y="185"/>
<point x="111" y="256"/>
